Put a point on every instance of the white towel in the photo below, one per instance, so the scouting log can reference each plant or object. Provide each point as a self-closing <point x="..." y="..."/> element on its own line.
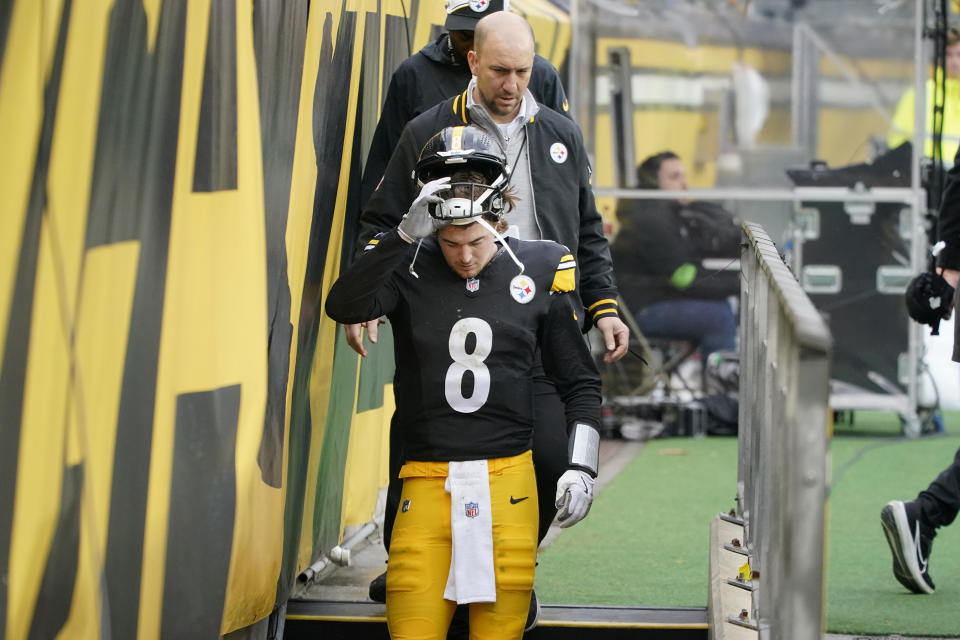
<point x="471" y="577"/>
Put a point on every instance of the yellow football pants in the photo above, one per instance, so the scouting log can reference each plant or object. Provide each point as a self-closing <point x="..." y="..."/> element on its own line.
<point x="419" y="560"/>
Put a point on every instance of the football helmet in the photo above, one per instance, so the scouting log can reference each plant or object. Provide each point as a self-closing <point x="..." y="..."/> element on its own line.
<point x="464" y="149"/>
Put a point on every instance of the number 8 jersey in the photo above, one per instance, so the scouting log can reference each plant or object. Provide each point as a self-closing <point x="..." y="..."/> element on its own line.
<point x="466" y="350"/>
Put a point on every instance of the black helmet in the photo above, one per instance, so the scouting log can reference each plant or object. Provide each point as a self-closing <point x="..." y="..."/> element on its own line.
<point x="929" y="298"/>
<point x="466" y="148"/>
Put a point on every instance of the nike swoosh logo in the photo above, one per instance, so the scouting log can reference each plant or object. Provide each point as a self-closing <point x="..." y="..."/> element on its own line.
<point x="916" y="545"/>
<point x="516" y="500"/>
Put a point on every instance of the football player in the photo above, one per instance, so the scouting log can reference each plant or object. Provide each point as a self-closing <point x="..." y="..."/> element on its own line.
<point x="471" y="312"/>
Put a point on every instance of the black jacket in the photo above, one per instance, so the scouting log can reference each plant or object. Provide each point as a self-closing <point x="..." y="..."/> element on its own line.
<point x="658" y="237"/>
<point x="948" y="231"/>
<point x="563" y="197"/>
<point x="949" y="221"/>
<point x="427" y="78"/>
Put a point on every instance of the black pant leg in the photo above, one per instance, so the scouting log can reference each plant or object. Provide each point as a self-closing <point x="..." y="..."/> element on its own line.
<point x="549" y="449"/>
<point x="940" y="501"/>
<point x="395" y="485"/>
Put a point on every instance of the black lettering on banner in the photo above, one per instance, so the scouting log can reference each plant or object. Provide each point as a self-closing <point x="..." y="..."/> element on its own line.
<point x="52" y="609"/>
<point x="200" y="524"/>
<point x="163" y="74"/>
<point x="279" y="37"/>
<point x="215" y="165"/>
<point x="329" y="125"/>
<point x="14" y="371"/>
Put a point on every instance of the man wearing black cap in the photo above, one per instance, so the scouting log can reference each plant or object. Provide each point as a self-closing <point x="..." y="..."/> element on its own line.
<point x="437" y="72"/>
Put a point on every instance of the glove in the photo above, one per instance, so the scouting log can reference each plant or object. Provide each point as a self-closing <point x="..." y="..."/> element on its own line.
<point x="418" y="223"/>
<point x="574" y="497"/>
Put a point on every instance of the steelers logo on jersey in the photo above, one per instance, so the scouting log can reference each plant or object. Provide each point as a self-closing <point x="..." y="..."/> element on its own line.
<point x="522" y="289"/>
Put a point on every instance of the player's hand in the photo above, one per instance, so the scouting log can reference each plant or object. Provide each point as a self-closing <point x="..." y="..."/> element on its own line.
<point x="952" y="276"/>
<point x="616" y="337"/>
<point x="354" y="333"/>
<point x="418" y="223"/>
<point x="574" y="497"/>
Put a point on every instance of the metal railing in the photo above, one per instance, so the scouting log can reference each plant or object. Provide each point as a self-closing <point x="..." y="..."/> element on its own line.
<point x="785" y="350"/>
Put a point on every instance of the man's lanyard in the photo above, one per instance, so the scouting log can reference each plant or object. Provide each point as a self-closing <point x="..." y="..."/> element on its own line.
<point x="516" y="161"/>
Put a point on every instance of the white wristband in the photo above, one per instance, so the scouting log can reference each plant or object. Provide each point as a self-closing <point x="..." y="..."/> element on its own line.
<point x="583" y="448"/>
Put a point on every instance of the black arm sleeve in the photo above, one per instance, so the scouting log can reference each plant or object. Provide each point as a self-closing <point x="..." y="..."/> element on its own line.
<point x="367" y="289"/>
<point x="567" y="361"/>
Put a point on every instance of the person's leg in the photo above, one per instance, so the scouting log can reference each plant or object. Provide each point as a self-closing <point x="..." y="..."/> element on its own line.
<point x="419" y="563"/>
<point x="394" y="485"/>
<point x="717" y="325"/>
<point x="552" y="448"/>
<point x="712" y="324"/>
<point x="911" y="526"/>
<point x="940" y="502"/>
<point x="377" y="590"/>
<point x="549" y="461"/>
<point x="514" y="550"/>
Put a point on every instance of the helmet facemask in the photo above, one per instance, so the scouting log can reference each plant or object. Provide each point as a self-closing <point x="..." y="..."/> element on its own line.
<point x="469" y="197"/>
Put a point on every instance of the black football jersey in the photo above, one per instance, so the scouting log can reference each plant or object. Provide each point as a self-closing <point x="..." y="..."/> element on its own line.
<point x="466" y="350"/>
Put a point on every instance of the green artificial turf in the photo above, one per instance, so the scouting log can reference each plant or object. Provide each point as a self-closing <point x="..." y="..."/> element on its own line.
<point x="872" y="467"/>
<point x="646" y="541"/>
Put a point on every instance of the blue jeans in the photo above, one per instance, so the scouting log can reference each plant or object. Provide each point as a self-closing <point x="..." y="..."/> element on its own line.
<point x="710" y="323"/>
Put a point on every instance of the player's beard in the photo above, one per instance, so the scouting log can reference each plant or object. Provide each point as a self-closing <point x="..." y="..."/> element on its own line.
<point x="497" y="109"/>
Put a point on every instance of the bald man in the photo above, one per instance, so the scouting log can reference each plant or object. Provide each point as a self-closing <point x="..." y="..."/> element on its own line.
<point x="439" y="71"/>
<point x="551" y="178"/>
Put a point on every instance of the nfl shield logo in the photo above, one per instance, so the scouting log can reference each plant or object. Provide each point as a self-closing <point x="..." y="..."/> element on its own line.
<point x="472" y="509"/>
<point x="473" y="284"/>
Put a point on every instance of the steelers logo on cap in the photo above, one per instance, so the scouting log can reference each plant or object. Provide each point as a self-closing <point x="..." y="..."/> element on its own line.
<point x="558" y="152"/>
<point x="479" y="6"/>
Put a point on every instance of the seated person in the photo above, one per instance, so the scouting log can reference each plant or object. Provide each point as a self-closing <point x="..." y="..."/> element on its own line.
<point x="659" y="252"/>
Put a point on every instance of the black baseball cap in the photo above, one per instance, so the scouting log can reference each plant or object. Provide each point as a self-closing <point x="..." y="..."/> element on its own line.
<point x="462" y="15"/>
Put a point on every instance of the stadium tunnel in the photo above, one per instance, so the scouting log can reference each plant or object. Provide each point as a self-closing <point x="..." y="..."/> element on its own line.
<point x="185" y="433"/>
